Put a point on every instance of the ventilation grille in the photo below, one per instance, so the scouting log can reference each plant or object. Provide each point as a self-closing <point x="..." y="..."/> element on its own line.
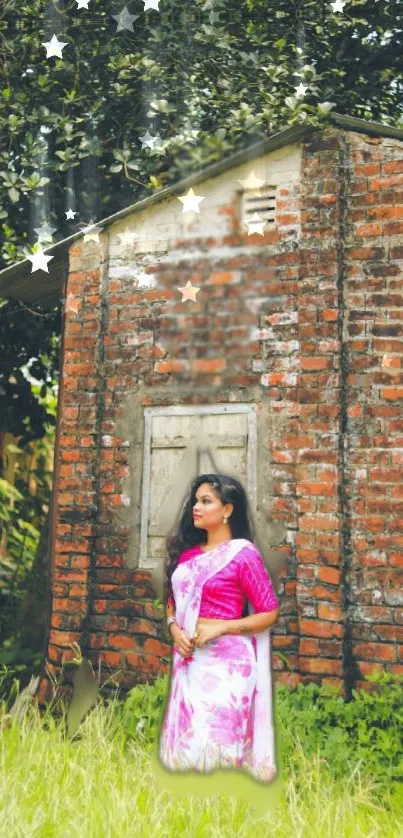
<point x="262" y="201"/>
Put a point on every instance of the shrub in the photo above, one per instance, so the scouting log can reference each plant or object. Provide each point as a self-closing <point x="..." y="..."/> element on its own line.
<point x="140" y="715"/>
<point x="366" y="732"/>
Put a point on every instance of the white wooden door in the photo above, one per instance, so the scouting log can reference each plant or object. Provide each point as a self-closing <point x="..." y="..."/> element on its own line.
<point x="181" y="442"/>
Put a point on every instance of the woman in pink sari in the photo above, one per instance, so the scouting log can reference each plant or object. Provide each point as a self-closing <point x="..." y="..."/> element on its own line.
<point x="219" y="710"/>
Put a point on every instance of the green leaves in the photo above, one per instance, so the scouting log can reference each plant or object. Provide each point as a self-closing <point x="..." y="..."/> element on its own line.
<point x="162" y="106"/>
<point x="10" y="180"/>
<point x="368" y="731"/>
<point x="185" y="73"/>
<point x="70" y="158"/>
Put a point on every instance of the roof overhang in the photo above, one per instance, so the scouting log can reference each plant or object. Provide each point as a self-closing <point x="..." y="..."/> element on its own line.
<point x="18" y="282"/>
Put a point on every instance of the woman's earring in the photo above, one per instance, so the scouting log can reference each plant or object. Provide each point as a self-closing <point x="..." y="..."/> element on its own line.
<point x="225" y="520"/>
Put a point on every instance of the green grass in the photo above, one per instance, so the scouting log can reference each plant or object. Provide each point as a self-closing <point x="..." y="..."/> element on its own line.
<point x="102" y="784"/>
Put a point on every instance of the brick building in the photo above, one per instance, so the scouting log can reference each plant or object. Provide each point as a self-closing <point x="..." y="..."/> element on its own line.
<point x="289" y="362"/>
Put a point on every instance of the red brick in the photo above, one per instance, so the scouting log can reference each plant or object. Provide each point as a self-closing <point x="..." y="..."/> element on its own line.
<point x="169" y="366"/>
<point x="318" y="628"/>
<point x="146" y="664"/>
<point x="329" y="612"/>
<point x="157" y="647"/>
<point x="386" y="182"/>
<point x="209" y="364"/>
<point x="143" y="627"/>
<point x="222" y="278"/>
<point x="315" y="489"/>
<point x="375" y="651"/>
<point x="308" y="647"/>
<point x="114" y="660"/>
<point x="78" y="606"/>
<point x="321" y="665"/>
<point x="63" y="638"/>
<point x="329" y="574"/>
<point x="385" y="212"/>
<point x="315" y="522"/>
<point x="123" y="642"/>
<point x="392" y="393"/>
<point x="368" y="169"/>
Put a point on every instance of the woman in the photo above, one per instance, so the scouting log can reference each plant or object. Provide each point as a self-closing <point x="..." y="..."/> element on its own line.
<point x="219" y="711"/>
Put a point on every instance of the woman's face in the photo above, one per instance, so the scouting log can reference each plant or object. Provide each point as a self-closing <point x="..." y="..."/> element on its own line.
<point x="209" y="507"/>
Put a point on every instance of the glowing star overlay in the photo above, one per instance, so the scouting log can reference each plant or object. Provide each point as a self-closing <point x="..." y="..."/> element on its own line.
<point x="301" y="89"/>
<point x="145" y="280"/>
<point x="54" y="47"/>
<point x="70" y="214"/>
<point x="39" y="261"/>
<point x="82" y="4"/>
<point x="188" y="292"/>
<point x="91" y="233"/>
<point x="148" y="141"/>
<point x="338" y="5"/>
<point x="45" y="233"/>
<point x="256" y="225"/>
<point x="125" y="20"/>
<point x="151" y="4"/>
<point x="127" y="237"/>
<point x="72" y="303"/>
<point x="190" y="201"/>
<point x="252" y="182"/>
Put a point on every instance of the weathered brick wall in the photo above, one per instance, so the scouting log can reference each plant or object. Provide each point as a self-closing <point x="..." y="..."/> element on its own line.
<point x="374" y="452"/>
<point x="97" y="602"/>
<point x="349" y="477"/>
<point x="304" y="319"/>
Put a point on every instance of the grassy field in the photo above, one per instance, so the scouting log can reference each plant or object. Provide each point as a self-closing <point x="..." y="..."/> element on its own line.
<point x="95" y="786"/>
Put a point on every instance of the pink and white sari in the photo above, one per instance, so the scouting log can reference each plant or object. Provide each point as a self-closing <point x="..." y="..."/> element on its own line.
<point x="219" y="711"/>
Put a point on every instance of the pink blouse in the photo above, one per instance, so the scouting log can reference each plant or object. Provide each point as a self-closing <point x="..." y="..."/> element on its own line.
<point x="245" y="577"/>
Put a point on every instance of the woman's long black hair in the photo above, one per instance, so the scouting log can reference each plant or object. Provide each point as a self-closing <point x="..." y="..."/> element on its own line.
<point x="186" y="535"/>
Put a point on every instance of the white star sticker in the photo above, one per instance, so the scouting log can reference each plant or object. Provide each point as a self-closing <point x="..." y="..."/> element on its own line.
<point x="72" y="303"/>
<point x="256" y="225"/>
<point x="54" y="47"/>
<point x="45" y="233"/>
<point x="39" y="261"/>
<point x="147" y="141"/>
<point x="82" y="4"/>
<point x="190" y="201"/>
<point x="70" y="214"/>
<point x="188" y="291"/>
<point x="300" y="90"/>
<point x="91" y="232"/>
<point x="125" y="19"/>
<point x="252" y="182"/>
<point x="127" y="237"/>
<point x="145" y="280"/>
<point x="151" y="4"/>
<point x="338" y="5"/>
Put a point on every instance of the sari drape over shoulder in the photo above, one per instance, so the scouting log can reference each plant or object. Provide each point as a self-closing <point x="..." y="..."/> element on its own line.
<point x="219" y="710"/>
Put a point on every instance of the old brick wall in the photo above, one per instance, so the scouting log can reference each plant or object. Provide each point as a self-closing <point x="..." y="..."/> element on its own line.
<point x="374" y="394"/>
<point x="97" y="602"/>
<point x="349" y="479"/>
<point x="300" y="320"/>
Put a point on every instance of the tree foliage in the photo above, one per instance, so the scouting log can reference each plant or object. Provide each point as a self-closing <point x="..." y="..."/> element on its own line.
<point x="28" y="340"/>
<point x="25" y="491"/>
<point x="208" y="77"/>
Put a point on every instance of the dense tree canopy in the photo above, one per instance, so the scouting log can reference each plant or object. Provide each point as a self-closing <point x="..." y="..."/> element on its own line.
<point x="207" y="77"/>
